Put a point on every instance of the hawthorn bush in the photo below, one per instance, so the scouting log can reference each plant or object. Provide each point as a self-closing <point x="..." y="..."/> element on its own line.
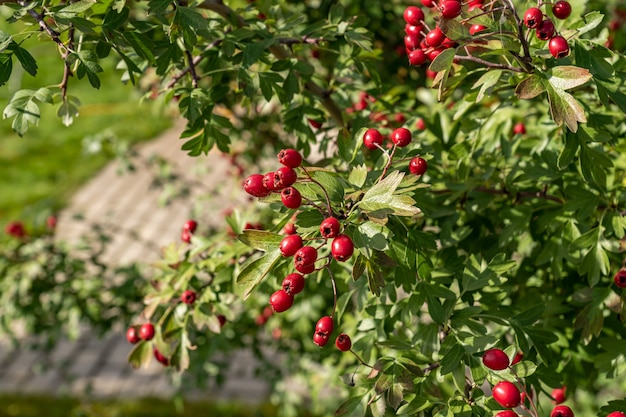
<point x="453" y="174"/>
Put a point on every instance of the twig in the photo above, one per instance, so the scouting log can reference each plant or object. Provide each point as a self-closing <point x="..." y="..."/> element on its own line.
<point x="192" y="69"/>
<point x="330" y="209"/>
<point x="520" y="35"/>
<point x="488" y="64"/>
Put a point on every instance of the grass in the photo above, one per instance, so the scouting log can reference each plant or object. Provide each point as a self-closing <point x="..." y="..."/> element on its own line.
<point x="40" y="171"/>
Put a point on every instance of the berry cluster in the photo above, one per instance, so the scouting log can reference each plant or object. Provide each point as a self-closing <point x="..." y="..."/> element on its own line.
<point x="534" y="18"/>
<point x="189" y="228"/>
<point x="400" y="137"/>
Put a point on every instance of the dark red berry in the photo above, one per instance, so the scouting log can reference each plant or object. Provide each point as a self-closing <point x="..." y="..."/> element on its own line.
<point x="305" y="269"/>
<point x="306" y="255"/>
<point x="222" y="319"/>
<point x="495" y="359"/>
<point x="325" y="325"/>
<point x="290" y="158"/>
<point x="343" y="342"/>
<point x="519" y="128"/>
<point x="401" y="137"/>
<point x="435" y="37"/>
<point x="418" y="166"/>
<point x="506" y="394"/>
<point x="342" y="248"/>
<point x="132" y="335"/>
<point x="281" y="301"/>
<point x="545" y="30"/>
<point x="372" y="139"/>
<point x="188" y="297"/>
<point x="314" y="123"/>
<point x="160" y="358"/>
<point x="417" y="57"/>
<point x="330" y="227"/>
<point x="506" y="413"/>
<point x="558" y="47"/>
<point x="428" y="3"/>
<point x="533" y="17"/>
<point x="269" y="181"/>
<point x="320" y="339"/>
<point x="254" y="186"/>
<point x="562" y="411"/>
<point x="293" y="284"/>
<point x="190" y="225"/>
<point x="412" y="42"/>
<point x="561" y="9"/>
<point x="518" y="358"/>
<point x="620" y="278"/>
<point x="558" y="395"/>
<point x="284" y="177"/>
<point x="15" y="229"/>
<point x="413" y="15"/>
<point x="290" y="244"/>
<point x="450" y="9"/>
<point x="146" y="331"/>
<point x="291" y="198"/>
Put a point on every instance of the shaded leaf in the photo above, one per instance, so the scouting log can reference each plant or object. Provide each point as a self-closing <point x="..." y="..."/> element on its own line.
<point x="530" y="87"/>
<point x="566" y="77"/>
<point x="140" y="355"/>
<point x="261" y="239"/>
<point x="253" y="273"/>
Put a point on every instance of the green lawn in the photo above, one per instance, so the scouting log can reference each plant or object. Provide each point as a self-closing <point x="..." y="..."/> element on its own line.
<point x="40" y="171"/>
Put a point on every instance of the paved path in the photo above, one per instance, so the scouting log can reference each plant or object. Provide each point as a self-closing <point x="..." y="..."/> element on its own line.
<point x="140" y="226"/>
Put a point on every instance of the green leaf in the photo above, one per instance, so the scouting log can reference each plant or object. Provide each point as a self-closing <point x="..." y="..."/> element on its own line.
<point x="353" y="407"/>
<point x="191" y="18"/>
<point x="485" y="82"/>
<point x="330" y="183"/>
<point x="452" y="357"/>
<point x="254" y="51"/>
<point x="27" y="61"/>
<point x="291" y="86"/>
<point x="6" y="67"/>
<point x="566" y="77"/>
<point x="568" y="152"/>
<point x="158" y="6"/>
<point x="564" y="108"/>
<point x="358" y="175"/>
<point x="453" y="29"/>
<point x="141" y="44"/>
<point x="114" y="19"/>
<point x="253" y="273"/>
<point x="335" y="14"/>
<point x="74" y="8"/>
<point x="381" y="198"/>
<point x="261" y="239"/>
<point x="5" y="40"/>
<point x="524" y="369"/>
<point x="68" y="110"/>
<point x="140" y="355"/>
<point x="24" y="109"/>
<point x="443" y="61"/>
<point x="530" y="87"/>
<point x="589" y="22"/>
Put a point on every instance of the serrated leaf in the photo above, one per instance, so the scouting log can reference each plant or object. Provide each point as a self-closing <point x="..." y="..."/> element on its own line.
<point x="564" y="108"/>
<point x="330" y="183"/>
<point x="589" y="22"/>
<point x="530" y="87"/>
<point x="190" y="17"/>
<point x="353" y="407"/>
<point x="254" y="51"/>
<point x="261" y="239"/>
<point x="68" y="110"/>
<point x="74" y="8"/>
<point x="381" y="197"/>
<point x="140" y="355"/>
<point x="485" y="82"/>
<point x="358" y="175"/>
<point x="253" y="273"/>
<point x="443" y="61"/>
<point x="453" y="29"/>
<point x="114" y="19"/>
<point x="566" y="77"/>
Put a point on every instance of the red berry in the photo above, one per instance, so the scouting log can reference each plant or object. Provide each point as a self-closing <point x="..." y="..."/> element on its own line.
<point x="290" y="229"/>
<point x="561" y="9"/>
<point x="185" y="236"/>
<point x="146" y="331"/>
<point x="160" y="358"/>
<point x="420" y="124"/>
<point x="284" y="177"/>
<point x="558" y="395"/>
<point x="290" y="158"/>
<point x="188" y="297"/>
<point x="268" y="181"/>
<point x="417" y="57"/>
<point x="330" y="227"/>
<point x="305" y="269"/>
<point x="616" y="414"/>
<point x="506" y="413"/>
<point x="293" y="284"/>
<point x="533" y="17"/>
<point x="450" y="9"/>
<point x="190" y="225"/>
<point x="620" y="278"/>
<point x="291" y="198"/>
<point x="558" y="47"/>
<point x="401" y="137"/>
<point x="314" y="123"/>
<point x="343" y="342"/>
<point x="412" y="42"/>
<point x="428" y="3"/>
<point x="518" y="358"/>
<point x="562" y="411"/>
<point x="418" y="166"/>
<point x="325" y="325"/>
<point x="320" y="339"/>
<point x="342" y="248"/>
<point x="434" y="53"/>
<point x="281" y="301"/>
<point x="495" y="359"/>
<point x="413" y="30"/>
<point x="15" y="229"/>
<point x="132" y="335"/>
<point x="371" y="138"/>
<point x="545" y="30"/>
<point x="51" y="222"/>
<point x="506" y="394"/>
<point x="290" y="244"/>
<point x="413" y="15"/>
<point x="474" y="29"/>
<point x="435" y="37"/>
<point x="222" y="319"/>
<point x="519" y="128"/>
<point x="306" y="255"/>
<point x="254" y="186"/>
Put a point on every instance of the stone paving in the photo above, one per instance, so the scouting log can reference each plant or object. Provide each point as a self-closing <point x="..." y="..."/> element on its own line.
<point x="141" y="226"/>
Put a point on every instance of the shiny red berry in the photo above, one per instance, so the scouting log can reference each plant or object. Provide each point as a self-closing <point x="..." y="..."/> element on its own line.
<point x="290" y="158"/>
<point x="15" y="229"/>
<point x="146" y="331"/>
<point x="413" y="15"/>
<point x="330" y="227"/>
<point x="254" y="186"/>
<point x="562" y="411"/>
<point x="291" y="198"/>
<point x="284" y="177"/>
<point x="616" y="414"/>
<point x="325" y="325"/>
<point x="372" y="138"/>
<point x="506" y="394"/>
<point x="320" y="339"/>
<point x="417" y="57"/>
<point x="558" y="47"/>
<point x="342" y="248"/>
<point x="450" y="9"/>
<point x="506" y="413"/>
<point x="160" y="358"/>
<point x="545" y="30"/>
<point x="190" y="225"/>
<point x="435" y="37"/>
<point x="412" y="42"/>
<point x="290" y="245"/>
<point x="293" y="284"/>
<point x="401" y="137"/>
<point x="620" y="278"/>
<point x="533" y="17"/>
<point x="558" y="395"/>
<point x="561" y="9"/>
<point x="518" y="358"/>
<point x="306" y="255"/>
<point x="474" y="29"/>
<point x="185" y="236"/>
<point x="420" y="124"/>
<point x="188" y="297"/>
<point x="305" y="268"/>
<point x="281" y="301"/>
<point x="290" y="229"/>
<point x="418" y="166"/>
<point x="132" y="335"/>
<point x="268" y="181"/>
<point x="495" y="359"/>
<point x="428" y="3"/>
<point x="519" y="128"/>
<point x="413" y="30"/>
<point x="343" y="342"/>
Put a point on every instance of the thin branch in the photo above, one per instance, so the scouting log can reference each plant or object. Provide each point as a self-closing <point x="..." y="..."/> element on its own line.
<point x="192" y="69"/>
<point x="194" y="62"/>
<point x="520" y="35"/>
<point x="330" y="208"/>
<point x="488" y="64"/>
